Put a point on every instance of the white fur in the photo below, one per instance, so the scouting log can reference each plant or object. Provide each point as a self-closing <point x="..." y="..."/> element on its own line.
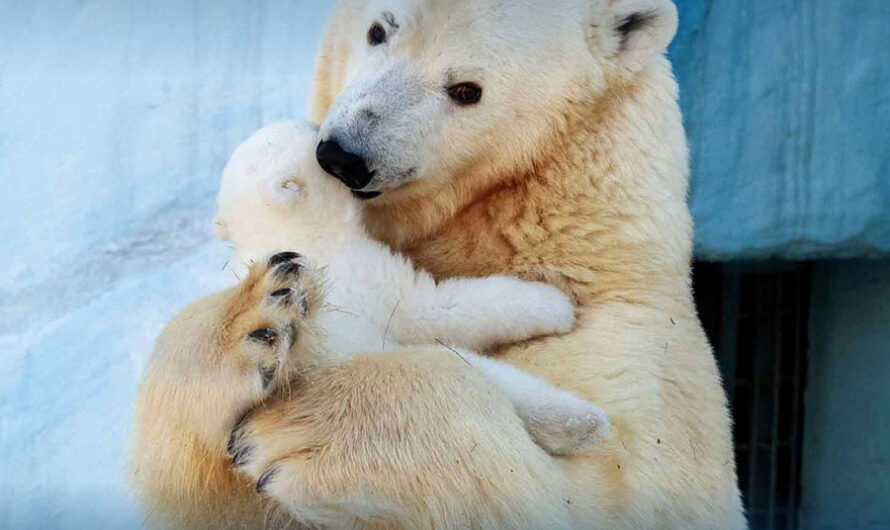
<point x="274" y="197"/>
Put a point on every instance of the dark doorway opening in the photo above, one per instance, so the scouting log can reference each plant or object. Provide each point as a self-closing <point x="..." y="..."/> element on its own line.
<point x="756" y="319"/>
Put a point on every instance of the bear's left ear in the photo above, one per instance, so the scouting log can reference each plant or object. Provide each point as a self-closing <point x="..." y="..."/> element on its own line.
<point x="635" y="30"/>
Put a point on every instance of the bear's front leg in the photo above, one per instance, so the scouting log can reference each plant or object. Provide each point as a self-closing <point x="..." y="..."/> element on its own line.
<point x="218" y="358"/>
<point x="412" y="439"/>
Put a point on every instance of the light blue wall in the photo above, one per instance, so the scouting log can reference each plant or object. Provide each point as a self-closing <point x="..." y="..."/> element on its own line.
<point x="846" y="450"/>
<point x="109" y="109"/>
<point x="787" y="105"/>
<point x="116" y="119"/>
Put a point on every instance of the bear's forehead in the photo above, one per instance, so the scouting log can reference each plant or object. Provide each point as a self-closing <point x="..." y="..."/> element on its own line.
<point x="497" y="23"/>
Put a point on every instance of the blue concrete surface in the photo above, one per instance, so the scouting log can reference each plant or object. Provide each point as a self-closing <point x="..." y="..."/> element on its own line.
<point x="846" y="450"/>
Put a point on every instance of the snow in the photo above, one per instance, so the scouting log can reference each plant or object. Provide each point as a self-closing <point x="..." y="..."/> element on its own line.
<point x="116" y="120"/>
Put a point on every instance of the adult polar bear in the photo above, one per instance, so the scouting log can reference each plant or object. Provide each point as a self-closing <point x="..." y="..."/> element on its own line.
<point x="570" y="167"/>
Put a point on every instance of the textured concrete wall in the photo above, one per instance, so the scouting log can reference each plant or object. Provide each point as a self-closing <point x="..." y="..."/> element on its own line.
<point x="846" y="452"/>
<point x="787" y="105"/>
<point x="116" y="118"/>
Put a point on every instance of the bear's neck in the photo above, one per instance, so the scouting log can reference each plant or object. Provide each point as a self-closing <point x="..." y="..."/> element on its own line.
<point x="601" y="213"/>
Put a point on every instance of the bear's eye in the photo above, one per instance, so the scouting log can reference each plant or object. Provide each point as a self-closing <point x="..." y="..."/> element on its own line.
<point x="376" y="35"/>
<point x="465" y="93"/>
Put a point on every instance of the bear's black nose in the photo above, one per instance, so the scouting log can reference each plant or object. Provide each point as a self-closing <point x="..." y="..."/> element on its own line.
<point x="348" y="167"/>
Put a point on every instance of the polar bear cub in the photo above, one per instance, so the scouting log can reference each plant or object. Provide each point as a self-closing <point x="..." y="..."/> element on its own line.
<point x="274" y="196"/>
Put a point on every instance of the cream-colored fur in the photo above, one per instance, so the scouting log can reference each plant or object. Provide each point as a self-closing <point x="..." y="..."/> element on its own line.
<point x="571" y="169"/>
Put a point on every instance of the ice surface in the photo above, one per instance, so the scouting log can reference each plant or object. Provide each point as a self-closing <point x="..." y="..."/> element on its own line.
<point x="116" y="119"/>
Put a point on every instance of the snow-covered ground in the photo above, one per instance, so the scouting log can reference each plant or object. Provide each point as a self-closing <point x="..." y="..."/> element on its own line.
<point x="116" y="118"/>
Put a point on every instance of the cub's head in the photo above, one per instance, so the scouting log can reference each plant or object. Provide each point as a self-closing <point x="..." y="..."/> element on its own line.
<point x="425" y="89"/>
<point x="273" y="195"/>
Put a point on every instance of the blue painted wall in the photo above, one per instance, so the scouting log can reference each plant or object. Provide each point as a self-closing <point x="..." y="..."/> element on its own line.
<point x="846" y="449"/>
<point x="787" y="106"/>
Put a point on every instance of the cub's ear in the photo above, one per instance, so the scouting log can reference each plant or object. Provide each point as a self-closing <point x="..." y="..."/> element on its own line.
<point x="285" y="190"/>
<point x="635" y="30"/>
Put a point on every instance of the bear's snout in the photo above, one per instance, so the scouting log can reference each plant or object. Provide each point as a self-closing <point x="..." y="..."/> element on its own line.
<point x="348" y="167"/>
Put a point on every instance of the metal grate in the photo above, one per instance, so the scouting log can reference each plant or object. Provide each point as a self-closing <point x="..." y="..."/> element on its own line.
<point x="756" y="319"/>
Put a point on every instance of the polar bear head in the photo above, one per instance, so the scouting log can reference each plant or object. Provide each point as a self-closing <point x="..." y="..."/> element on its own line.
<point x="274" y="196"/>
<point x="432" y="88"/>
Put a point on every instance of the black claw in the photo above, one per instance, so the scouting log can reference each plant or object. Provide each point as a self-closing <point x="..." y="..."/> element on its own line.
<point x="242" y="455"/>
<point x="237" y="433"/>
<point x="265" y="335"/>
<point x="264" y="479"/>
<point x="283" y="295"/>
<point x="281" y="257"/>
<point x="268" y="373"/>
<point x="288" y="270"/>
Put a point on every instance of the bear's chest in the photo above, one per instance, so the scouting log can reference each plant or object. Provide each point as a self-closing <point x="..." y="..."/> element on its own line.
<point x="479" y="242"/>
<point x="464" y="253"/>
<point x="509" y="230"/>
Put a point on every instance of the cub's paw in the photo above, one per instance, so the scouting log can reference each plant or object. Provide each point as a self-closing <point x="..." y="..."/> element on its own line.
<point x="527" y="309"/>
<point x="553" y="309"/>
<point x="273" y="316"/>
<point x="563" y="424"/>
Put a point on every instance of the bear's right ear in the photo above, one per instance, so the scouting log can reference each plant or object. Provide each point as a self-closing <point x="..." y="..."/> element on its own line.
<point x="634" y="30"/>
